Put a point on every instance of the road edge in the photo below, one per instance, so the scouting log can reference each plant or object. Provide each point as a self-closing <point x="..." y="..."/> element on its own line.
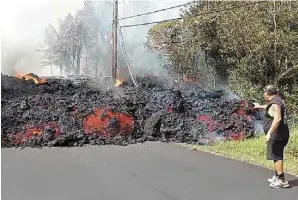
<point x="192" y="147"/>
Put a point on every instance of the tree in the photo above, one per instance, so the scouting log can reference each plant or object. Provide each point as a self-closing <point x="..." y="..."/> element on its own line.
<point x="64" y="48"/>
<point x="245" y="45"/>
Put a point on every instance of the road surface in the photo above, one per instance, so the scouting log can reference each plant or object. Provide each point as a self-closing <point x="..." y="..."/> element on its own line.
<point x="150" y="171"/>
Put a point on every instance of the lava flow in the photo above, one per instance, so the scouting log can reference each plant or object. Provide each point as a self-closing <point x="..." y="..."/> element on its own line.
<point x="108" y="123"/>
<point x="211" y="124"/>
<point x="50" y="130"/>
<point x="72" y="112"/>
<point x="243" y="109"/>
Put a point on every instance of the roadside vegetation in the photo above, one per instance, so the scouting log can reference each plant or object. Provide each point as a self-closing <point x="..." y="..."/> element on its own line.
<point x="240" y="46"/>
<point x="254" y="151"/>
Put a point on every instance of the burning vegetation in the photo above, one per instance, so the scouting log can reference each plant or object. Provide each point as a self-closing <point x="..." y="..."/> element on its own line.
<point x="61" y="112"/>
<point x="119" y="79"/>
<point x="31" y="76"/>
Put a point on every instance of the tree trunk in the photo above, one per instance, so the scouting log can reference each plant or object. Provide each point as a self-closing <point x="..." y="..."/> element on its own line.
<point x="78" y="66"/>
<point x="51" y="67"/>
<point x="87" y="61"/>
<point x="61" y="70"/>
<point x="96" y="67"/>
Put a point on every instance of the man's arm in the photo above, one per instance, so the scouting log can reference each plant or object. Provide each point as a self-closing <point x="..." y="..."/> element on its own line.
<point x="257" y="105"/>
<point x="275" y="112"/>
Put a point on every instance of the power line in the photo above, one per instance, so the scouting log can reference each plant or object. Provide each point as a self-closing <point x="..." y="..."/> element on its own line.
<point x="130" y="25"/>
<point x="156" y="11"/>
<point x="210" y="12"/>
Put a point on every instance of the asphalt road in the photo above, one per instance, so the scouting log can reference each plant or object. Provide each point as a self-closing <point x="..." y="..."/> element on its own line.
<point x="150" y="171"/>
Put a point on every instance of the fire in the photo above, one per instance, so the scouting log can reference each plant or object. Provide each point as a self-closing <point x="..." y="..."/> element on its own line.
<point x="108" y="123"/>
<point x="35" y="78"/>
<point x="118" y="82"/>
<point x="119" y="79"/>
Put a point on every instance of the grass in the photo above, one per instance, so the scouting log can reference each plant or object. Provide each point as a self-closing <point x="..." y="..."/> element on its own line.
<point x="254" y="151"/>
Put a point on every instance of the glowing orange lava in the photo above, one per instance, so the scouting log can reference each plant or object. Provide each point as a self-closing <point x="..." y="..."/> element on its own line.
<point x="108" y="123"/>
<point x="211" y="124"/>
<point x="242" y="110"/>
<point x="36" y="131"/>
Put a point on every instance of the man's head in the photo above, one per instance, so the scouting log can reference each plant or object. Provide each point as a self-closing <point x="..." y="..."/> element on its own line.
<point x="269" y="92"/>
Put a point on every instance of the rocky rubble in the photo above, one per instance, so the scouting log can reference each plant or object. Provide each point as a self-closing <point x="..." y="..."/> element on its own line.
<point x="64" y="112"/>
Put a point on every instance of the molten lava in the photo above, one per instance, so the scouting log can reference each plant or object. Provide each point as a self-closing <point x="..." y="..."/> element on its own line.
<point x="108" y="123"/>
<point x="33" y="77"/>
<point x="36" y="131"/>
<point x="211" y="124"/>
<point x="242" y="110"/>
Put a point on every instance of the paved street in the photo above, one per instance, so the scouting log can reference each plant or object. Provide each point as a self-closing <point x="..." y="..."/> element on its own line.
<point x="150" y="171"/>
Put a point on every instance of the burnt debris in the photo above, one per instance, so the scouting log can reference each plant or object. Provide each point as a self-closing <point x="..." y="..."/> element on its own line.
<point x="65" y="112"/>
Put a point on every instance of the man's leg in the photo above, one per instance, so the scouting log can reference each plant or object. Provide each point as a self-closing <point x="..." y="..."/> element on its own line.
<point x="279" y="169"/>
<point x="270" y="157"/>
<point x="277" y="154"/>
<point x="271" y="179"/>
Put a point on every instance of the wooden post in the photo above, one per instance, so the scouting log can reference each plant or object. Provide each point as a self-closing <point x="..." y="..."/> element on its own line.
<point x="114" y="41"/>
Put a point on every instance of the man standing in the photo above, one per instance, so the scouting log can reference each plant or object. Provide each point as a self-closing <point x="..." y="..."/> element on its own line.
<point x="277" y="133"/>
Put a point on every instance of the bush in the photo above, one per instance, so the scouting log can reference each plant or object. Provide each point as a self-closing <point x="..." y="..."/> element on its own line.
<point x="292" y="148"/>
<point x="248" y="47"/>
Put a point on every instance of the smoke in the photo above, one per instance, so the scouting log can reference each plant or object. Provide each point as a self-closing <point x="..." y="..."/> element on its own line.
<point x="24" y="22"/>
<point x="20" y="57"/>
<point x="143" y="60"/>
<point x="22" y="26"/>
<point x="140" y="59"/>
<point x="230" y="95"/>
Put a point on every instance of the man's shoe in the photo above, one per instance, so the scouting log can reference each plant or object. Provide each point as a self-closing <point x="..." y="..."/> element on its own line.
<point x="273" y="178"/>
<point x="279" y="183"/>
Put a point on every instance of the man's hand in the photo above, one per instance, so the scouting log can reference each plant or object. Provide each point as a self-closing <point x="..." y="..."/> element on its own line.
<point x="267" y="137"/>
<point x="257" y="106"/>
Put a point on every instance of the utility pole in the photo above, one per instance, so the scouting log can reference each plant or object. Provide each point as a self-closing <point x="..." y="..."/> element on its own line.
<point x="114" y="40"/>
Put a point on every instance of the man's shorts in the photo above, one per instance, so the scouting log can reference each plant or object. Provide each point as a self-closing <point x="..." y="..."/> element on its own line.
<point x="275" y="150"/>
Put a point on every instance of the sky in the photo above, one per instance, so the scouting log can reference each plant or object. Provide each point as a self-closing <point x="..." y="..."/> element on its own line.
<point x="22" y="23"/>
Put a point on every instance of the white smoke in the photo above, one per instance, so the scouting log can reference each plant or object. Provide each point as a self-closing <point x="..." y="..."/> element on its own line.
<point x="20" y="56"/>
<point x="22" y="26"/>
<point x="23" y="23"/>
<point x="143" y="60"/>
<point x="230" y="95"/>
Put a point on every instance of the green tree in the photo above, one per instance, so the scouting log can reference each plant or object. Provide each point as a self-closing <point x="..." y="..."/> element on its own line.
<point x="246" y="45"/>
